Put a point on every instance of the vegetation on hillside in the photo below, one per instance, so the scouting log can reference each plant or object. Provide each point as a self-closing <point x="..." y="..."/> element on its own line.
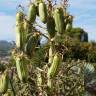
<point x="5" y="47"/>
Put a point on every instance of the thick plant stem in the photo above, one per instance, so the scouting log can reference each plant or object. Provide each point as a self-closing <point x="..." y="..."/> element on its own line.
<point x="39" y="80"/>
<point x="51" y="52"/>
<point x="50" y="84"/>
<point x="50" y="55"/>
<point x="12" y="87"/>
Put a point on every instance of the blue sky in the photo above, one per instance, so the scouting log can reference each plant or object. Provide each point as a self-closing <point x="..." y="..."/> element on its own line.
<point x="84" y="12"/>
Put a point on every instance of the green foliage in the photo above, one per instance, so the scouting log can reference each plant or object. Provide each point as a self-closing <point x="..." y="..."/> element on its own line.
<point x="68" y="82"/>
<point x="51" y="26"/>
<point x="43" y="12"/>
<point x="78" y="33"/>
<point x="59" y="20"/>
<point x="2" y="67"/>
<point x="32" y="13"/>
<point x="80" y="50"/>
<point x="89" y="72"/>
<point x="38" y="59"/>
<point x="4" y="80"/>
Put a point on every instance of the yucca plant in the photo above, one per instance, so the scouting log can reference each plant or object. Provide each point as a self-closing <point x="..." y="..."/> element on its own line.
<point x="90" y="79"/>
<point x="89" y="72"/>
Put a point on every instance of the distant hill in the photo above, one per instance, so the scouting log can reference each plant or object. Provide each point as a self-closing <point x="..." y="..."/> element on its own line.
<point x="5" y="47"/>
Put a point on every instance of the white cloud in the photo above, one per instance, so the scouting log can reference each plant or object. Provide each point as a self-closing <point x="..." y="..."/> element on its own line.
<point x="7" y="27"/>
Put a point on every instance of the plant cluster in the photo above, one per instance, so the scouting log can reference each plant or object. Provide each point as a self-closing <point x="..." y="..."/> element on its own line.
<point x="29" y="73"/>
